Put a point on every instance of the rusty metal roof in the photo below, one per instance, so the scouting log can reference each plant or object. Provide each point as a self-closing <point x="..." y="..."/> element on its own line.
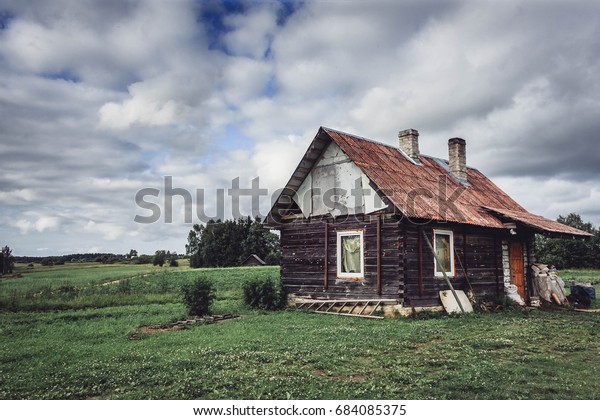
<point x="423" y="189"/>
<point x="537" y="222"/>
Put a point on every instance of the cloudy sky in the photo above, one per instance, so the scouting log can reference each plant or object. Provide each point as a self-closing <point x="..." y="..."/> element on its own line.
<point x="102" y="99"/>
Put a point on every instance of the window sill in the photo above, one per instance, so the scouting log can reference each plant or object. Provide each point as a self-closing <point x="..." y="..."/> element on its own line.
<point x="349" y="278"/>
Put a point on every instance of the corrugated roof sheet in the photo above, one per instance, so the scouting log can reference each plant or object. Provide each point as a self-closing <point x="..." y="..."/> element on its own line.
<point x="427" y="190"/>
<point x="538" y="222"/>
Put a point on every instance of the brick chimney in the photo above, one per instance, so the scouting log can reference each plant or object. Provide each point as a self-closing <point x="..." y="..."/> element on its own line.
<point x="457" y="158"/>
<point x="409" y="142"/>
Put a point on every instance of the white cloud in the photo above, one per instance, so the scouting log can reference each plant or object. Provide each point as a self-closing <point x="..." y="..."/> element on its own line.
<point x="148" y="105"/>
<point x="17" y="196"/>
<point x="251" y="33"/>
<point x="245" y="79"/>
<point x="25" y="226"/>
<point x="41" y="223"/>
<point x="47" y="223"/>
<point x="108" y="231"/>
<point x="102" y="44"/>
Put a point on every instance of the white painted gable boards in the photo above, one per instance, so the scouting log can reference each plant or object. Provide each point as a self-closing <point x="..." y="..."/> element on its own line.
<point x="336" y="186"/>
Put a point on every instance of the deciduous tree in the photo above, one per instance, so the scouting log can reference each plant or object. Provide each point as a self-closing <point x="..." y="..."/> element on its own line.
<point x="7" y="261"/>
<point x="571" y="253"/>
<point x="228" y="243"/>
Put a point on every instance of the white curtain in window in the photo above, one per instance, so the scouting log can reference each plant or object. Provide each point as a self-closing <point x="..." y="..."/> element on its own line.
<point x="351" y="254"/>
<point x="442" y="249"/>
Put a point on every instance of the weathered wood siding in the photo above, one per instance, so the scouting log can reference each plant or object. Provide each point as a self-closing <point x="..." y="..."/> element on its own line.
<point x="477" y="263"/>
<point x="303" y="258"/>
<point x="406" y="262"/>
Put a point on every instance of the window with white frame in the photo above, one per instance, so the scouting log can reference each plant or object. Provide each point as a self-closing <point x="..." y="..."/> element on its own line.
<point x="350" y="254"/>
<point x="443" y="245"/>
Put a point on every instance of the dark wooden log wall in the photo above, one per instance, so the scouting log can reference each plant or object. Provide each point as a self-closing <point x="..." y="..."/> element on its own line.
<point x="477" y="258"/>
<point x="303" y="258"/>
<point x="406" y="262"/>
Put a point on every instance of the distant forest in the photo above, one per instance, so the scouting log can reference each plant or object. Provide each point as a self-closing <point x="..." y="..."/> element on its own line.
<point x="107" y="258"/>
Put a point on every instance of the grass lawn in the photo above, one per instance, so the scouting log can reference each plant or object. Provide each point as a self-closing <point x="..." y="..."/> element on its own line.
<point x="81" y="345"/>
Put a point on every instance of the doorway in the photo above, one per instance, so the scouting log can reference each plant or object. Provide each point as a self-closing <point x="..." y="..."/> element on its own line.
<point x="517" y="267"/>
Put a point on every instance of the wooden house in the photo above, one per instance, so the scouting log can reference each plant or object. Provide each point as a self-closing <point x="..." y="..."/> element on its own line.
<point x="252" y="261"/>
<point x="363" y="220"/>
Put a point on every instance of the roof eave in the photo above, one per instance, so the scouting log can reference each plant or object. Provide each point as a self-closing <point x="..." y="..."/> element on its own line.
<point x="541" y="225"/>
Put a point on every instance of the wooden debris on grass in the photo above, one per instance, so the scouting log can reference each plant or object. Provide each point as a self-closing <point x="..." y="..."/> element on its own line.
<point x="587" y="310"/>
<point x="180" y="325"/>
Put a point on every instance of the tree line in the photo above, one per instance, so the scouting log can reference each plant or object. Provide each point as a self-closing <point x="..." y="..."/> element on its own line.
<point x="7" y="261"/>
<point x="570" y="253"/>
<point x="160" y="257"/>
<point x="229" y="243"/>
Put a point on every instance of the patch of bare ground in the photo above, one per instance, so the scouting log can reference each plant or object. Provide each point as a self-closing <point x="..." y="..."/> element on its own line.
<point x="180" y="325"/>
<point x="138" y="276"/>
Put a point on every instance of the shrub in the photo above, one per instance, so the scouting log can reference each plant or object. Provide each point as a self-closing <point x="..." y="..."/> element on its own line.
<point x="173" y="263"/>
<point x="143" y="259"/>
<point x="264" y="294"/>
<point x="198" y="296"/>
<point x="47" y="262"/>
<point x="159" y="258"/>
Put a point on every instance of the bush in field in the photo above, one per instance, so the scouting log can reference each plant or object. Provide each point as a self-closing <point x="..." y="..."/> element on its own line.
<point x="143" y="259"/>
<point x="47" y="262"/>
<point x="198" y="296"/>
<point x="263" y="293"/>
<point x="159" y="258"/>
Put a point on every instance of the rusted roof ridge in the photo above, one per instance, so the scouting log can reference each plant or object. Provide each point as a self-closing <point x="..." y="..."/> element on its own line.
<point x="354" y="136"/>
<point x="373" y="141"/>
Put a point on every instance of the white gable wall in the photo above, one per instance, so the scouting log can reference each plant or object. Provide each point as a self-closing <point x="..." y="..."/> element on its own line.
<point x="336" y="186"/>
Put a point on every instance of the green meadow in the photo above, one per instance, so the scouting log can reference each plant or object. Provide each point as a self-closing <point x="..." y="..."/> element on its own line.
<point x="77" y="332"/>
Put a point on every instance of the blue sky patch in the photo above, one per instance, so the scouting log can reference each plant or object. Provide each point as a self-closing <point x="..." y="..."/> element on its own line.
<point x="233" y="139"/>
<point x="288" y="7"/>
<point x="5" y="18"/>
<point x="65" y="74"/>
<point x="270" y="89"/>
<point x="213" y="15"/>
